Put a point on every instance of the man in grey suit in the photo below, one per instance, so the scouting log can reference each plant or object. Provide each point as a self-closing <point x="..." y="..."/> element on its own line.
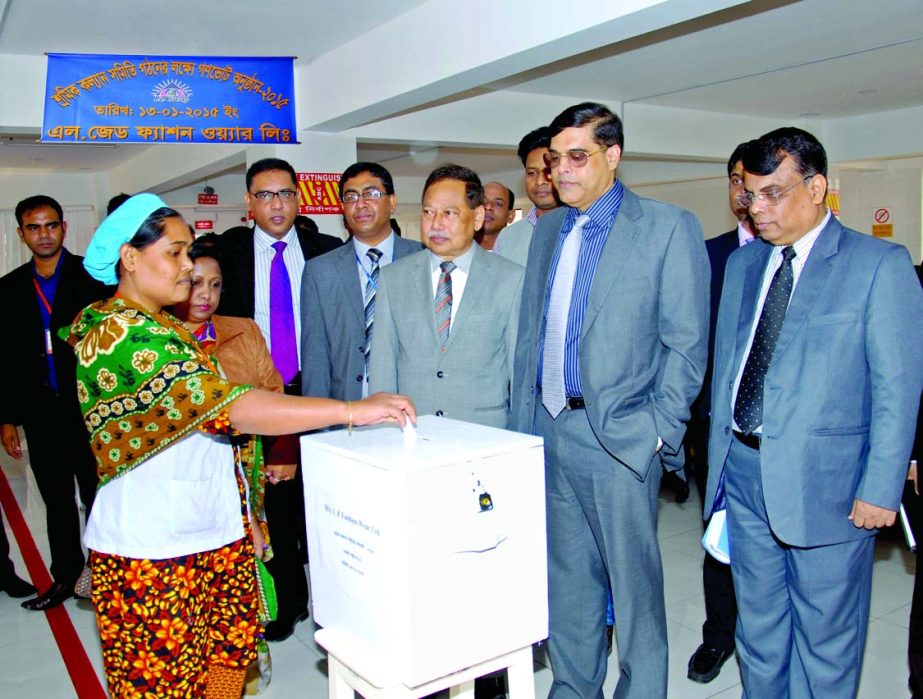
<point x="445" y="325"/>
<point x="613" y="338"/>
<point x="817" y="379"/>
<point x="338" y="289"/>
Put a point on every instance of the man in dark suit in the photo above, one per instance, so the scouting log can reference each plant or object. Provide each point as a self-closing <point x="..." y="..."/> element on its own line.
<point x="818" y="374"/>
<point x="262" y="268"/>
<point x="611" y="351"/>
<point x="720" y="606"/>
<point x="338" y="289"/>
<point x="39" y="389"/>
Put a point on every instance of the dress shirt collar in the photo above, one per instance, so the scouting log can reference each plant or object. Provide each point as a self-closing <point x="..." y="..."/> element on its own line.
<point x="265" y="241"/>
<point x="462" y="262"/>
<point x="744" y="235"/>
<point x="806" y="242"/>
<point x="602" y="211"/>
<point x="532" y="216"/>
<point x="386" y="247"/>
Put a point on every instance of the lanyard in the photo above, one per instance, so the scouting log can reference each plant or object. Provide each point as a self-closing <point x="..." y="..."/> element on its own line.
<point x="48" y="347"/>
<point x="41" y="295"/>
<point x="368" y="277"/>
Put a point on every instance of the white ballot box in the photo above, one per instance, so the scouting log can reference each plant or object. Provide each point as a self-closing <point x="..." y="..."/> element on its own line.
<point x="428" y="551"/>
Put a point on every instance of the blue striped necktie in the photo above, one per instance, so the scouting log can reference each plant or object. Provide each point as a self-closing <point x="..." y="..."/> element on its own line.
<point x="371" y="286"/>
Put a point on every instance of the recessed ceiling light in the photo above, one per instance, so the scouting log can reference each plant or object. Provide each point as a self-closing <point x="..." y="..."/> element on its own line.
<point x="809" y="115"/>
<point x="38" y="160"/>
<point x="870" y="91"/>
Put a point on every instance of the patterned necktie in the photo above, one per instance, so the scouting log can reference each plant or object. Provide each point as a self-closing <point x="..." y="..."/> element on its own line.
<point x="748" y="410"/>
<point x="444" y="303"/>
<point x="371" y="286"/>
<point x="553" y="392"/>
<point x="282" y="317"/>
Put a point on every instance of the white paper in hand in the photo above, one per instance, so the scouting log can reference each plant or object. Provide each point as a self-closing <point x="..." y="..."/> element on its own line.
<point x="716" y="541"/>
<point x="410" y="433"/>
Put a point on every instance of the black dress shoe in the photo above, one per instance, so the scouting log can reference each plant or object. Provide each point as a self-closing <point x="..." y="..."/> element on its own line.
<point x="15" y="586"/>
<point x="280" y="629"/>
<point x="706" y="662"/>
<point x="52" y="597"/>
<point x="609" y="632"/>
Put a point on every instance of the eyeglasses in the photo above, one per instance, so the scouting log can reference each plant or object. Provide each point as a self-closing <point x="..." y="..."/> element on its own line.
<point x="367" y="195"/>
<point x="770" y="198"/>
<point x="577" y="157"/>
<point x="283" y="194"/>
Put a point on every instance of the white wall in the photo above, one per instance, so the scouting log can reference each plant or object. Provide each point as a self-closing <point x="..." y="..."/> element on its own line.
<point x="70" y="189"/>
<point x="898" y="187"/>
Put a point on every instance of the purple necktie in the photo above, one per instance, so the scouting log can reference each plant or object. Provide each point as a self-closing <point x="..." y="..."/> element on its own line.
<point x="282" y="317"/>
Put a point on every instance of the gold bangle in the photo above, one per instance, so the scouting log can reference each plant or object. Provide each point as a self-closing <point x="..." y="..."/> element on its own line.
<point x="349" y="426"/>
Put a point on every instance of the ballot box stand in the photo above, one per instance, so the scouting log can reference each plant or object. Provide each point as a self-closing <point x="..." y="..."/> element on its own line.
<point x="427" y="555"/>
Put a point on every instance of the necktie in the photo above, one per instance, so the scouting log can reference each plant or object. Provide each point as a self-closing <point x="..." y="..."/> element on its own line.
<point x="748" y="410"/>
<point x="444" y="303"/>
<point x="371" y="286"/>
<point x="553" y="393"/>
<point x="282" y="317"/>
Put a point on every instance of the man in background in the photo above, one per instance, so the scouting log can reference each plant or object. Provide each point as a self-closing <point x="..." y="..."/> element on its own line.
<point x="498" y="213"/>
<point x="514" y="240"/>
<point x="39" y="388"/>
<point x="720" y="606"/>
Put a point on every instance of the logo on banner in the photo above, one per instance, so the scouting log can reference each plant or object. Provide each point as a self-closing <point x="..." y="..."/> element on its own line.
<point x="172" y="91"/>
<point x="319" y="193"/>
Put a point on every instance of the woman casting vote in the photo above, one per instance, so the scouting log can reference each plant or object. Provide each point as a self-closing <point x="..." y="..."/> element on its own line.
<point x="169" y="535"/>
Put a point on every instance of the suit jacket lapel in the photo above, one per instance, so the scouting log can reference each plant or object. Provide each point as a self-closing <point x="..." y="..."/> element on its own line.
<point x="474" y="289"/>
<point x="423" y="293"/>
<point x="749" y="295"/>
<point x="540" y="254"/>
<point x="615" y="253"/>
<point x="247" y="274"/>
<point x="811" y="280"/>
<point x="348" y="278"/>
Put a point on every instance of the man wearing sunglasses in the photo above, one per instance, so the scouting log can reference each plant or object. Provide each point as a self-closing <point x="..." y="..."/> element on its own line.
<point x="613" y="338"/>
<point x="817" y="379"/>
<point x="262" y="268"/>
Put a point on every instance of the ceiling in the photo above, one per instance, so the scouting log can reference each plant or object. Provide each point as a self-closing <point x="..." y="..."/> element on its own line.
<point x="813" y="59"/>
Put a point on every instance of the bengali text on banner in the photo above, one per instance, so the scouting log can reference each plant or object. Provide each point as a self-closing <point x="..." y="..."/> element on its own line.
<point x="94" y="98"/>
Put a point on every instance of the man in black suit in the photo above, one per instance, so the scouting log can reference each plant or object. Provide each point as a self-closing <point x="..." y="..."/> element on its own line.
<point x="720" y="606"/>
<point x="252" y="261"/>
<point x="39" y="389"/>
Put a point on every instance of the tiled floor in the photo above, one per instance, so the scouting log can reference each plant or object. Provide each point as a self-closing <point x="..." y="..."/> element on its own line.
<point x="31" y="665"/>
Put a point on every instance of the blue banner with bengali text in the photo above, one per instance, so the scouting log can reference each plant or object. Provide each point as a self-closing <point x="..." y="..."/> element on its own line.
<point x="95" y="98"/>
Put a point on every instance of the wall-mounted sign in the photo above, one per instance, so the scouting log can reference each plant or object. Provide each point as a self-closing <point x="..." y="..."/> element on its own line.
<point x="208" y="199"/>
<point x="203" y="225"/>
<point x="882" y="222"/>
<point x="320" y="193"/>
<point x="95" y="98"/>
